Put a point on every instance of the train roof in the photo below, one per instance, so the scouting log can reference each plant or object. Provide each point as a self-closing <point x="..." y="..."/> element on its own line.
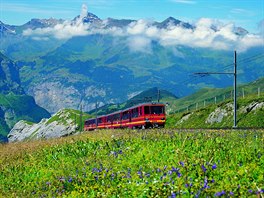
<point x="135" y="106"/>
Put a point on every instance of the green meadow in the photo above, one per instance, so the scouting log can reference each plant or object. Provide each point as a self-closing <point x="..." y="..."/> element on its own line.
<point x="136" y="163"/>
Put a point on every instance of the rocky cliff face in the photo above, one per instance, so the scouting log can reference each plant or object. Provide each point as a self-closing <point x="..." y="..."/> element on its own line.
<point x="55" y="95"/>
<point x="14" y="104"/>
<point x="249" y="114"/>
<point x="9" y="76"/>
<point x="65" y="122"/>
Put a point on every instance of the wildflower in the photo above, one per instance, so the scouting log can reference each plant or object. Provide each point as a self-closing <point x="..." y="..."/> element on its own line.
<point x="186" y="185"/>
<point x="173" y="195"/>
<point x="70" y="179"/>
<point x="219" y="194"/>
<point x="214" y="166"/>
<point x="182" y="164"/>
<point x="250" y="191"/>
<point x="204" y="169"/>
<point x="231" y="193"/>
<point x="175" y="169"/>
<point x="179" y="174"/>
<point x="213" y="181"/>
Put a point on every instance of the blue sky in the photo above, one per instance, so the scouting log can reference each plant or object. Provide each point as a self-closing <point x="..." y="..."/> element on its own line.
<point x="244" y="13"/>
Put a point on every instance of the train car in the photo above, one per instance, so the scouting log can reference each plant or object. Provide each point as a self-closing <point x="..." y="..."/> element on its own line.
<point x="147" y="115"/>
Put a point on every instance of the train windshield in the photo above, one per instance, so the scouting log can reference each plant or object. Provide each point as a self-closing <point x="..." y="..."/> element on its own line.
<point x="157" y="109"/>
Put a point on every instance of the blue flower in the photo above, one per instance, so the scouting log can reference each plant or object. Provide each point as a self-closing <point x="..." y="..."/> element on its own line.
<point x="182" y="164"/>
<point x="179" y="174"/>
<point x="173" y="195"/>
<point x="173" y="169"/>
<point x="204" y="169"/>
<point x="250" y="191"/>
<point x="214" y="166"/>
<point x="70" y="179"/>
<point x="231" y="193"/>
<point x="219" y="194"/>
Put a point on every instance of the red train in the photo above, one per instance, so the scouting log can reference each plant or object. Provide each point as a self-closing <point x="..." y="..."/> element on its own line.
<point x="147" y="115"/>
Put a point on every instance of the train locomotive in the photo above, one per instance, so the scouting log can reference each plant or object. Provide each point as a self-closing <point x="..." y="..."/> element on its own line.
<point x="147" y="115"/>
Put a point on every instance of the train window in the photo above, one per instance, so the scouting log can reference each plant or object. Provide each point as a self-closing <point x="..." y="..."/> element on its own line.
<point x="135" y="113"/>
<point x="116" y="117"/>
<point x="146" y="110"/>
<point x="126" y="115"/>
<point x="100" y="120"/>
<point x="157" y="110"/>
<point x="89" y="122"/>
<point x="109" y="118"/>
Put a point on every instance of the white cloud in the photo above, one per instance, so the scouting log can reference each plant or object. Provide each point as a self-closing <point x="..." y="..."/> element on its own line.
<point x="207" y="33"/>
<point x="139" y="44"/>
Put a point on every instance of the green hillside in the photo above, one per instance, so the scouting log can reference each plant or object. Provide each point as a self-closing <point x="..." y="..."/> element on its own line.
<point x="14" y="108"/>
<point x="207" y="96"/>
<point x="250" y="113"/>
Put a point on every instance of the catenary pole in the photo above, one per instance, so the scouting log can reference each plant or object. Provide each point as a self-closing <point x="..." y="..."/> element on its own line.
<point x="235" y="85"/>
<point x="235" y="90"/>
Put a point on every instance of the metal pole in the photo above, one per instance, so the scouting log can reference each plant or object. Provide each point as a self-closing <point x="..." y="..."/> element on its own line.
<point x="96" y="122"/>
<point x="243" y="93"/>
<point x="259" y="92"/>
<point x="235" y="91"/>
<point x="81" y="119"/>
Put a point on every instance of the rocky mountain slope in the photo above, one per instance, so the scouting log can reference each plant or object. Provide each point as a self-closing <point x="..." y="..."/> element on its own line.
<point x="65" y="122"/>
<point x="14" y="104"/>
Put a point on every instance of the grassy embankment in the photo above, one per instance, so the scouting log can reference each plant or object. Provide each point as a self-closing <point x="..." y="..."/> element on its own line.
<point x="144" y="163"/>
<point x="246" y="117"/>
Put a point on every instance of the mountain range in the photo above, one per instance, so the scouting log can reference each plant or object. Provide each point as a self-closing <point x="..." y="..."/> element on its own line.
<point x="78" y="63"/>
